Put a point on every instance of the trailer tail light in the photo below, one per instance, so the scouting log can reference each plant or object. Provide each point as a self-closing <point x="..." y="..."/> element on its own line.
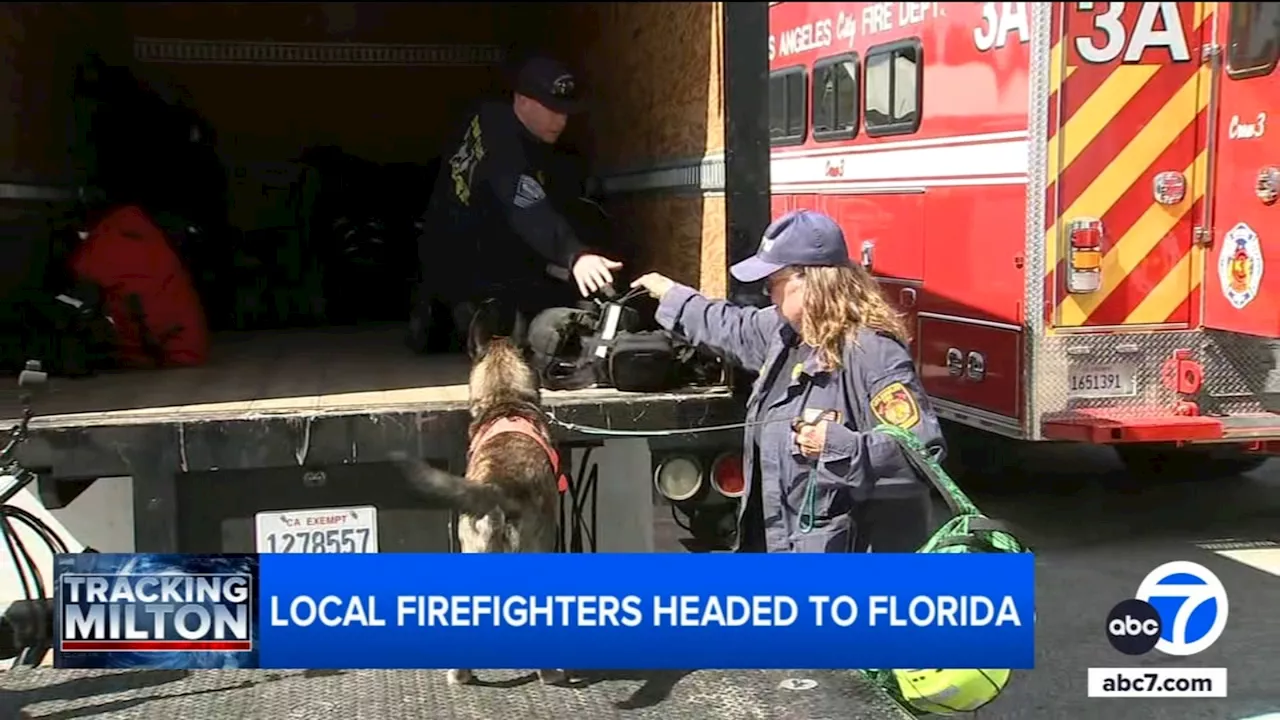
<point x="726" y="475"/>
<point x="1085" y="255"/>
<point x="678" y="478"/>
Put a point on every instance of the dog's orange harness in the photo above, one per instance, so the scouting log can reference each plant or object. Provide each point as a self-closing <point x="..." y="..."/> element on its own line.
<point x="525" y="427"/>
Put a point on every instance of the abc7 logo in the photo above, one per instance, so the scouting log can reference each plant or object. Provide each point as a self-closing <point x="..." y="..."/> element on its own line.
<point x="1136" y="627"/>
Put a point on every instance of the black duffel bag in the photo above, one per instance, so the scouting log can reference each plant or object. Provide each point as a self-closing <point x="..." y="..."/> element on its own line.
<point x="644" y="361"/>
<point x="68" y="332"/>
<point x="576" y="348"/>
<point x="561" y="347"/>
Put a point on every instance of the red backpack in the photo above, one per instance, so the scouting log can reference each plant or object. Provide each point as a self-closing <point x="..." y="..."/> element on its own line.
<point x="158" y="316"/>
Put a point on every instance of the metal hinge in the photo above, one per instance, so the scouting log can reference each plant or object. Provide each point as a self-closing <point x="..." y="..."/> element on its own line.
<point x="1209" y="52"/>
<point x="1200" y="236"/>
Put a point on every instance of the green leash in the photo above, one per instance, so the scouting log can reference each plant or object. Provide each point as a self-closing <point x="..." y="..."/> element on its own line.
<point x="808" y="507"/>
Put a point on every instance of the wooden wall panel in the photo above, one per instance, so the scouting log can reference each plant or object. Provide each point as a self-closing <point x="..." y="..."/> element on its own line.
<point x="655" y="73"/>
<point x="386" y="114"/>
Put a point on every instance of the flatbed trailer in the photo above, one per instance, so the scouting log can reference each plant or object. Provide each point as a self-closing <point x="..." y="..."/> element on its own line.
<point x="205" y="449"/>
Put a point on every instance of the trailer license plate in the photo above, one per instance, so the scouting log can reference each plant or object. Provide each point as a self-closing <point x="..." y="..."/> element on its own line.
<point x="327" y="530"/>
<point x="1103" y="381"/>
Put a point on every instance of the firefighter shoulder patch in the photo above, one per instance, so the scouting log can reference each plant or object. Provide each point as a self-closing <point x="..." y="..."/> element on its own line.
<point x="528" y="192"/>
<point x="896" y="405"/>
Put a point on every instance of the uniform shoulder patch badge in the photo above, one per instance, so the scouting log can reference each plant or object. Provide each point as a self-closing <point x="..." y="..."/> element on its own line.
<point x="896" y="405"/>
<point x="528" y="192"/>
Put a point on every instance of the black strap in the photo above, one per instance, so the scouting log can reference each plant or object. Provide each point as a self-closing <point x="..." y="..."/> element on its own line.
<point x="972" y="543"/>
<point x="984" y="524"/>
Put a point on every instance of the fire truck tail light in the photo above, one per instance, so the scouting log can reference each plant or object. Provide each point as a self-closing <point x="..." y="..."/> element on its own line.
<point x="1084" y="281"/>
<point x="1086" y="260"/>
<point x="1086" y="234"/>
<point x="1084" y="255"/>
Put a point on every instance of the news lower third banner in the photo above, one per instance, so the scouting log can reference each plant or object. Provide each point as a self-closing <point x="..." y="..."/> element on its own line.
<point x="573" y="611"/>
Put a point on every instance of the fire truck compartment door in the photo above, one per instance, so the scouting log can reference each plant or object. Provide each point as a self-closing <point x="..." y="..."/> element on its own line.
<point x="1129" y="151"/>
<point x="780" y="205"/>
<point x="1242" y="266"/>
<point x="885" y="232"/>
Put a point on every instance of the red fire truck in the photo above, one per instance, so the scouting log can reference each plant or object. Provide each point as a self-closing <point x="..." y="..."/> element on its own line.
<point x="1073" y="203"/>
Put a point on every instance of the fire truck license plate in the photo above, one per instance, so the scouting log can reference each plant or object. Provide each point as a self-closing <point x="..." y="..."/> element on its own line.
<point x="1103" y="381"/>
<point x="328" y="530"/>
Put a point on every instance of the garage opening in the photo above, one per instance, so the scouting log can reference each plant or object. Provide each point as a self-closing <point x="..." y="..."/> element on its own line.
<point x="286" y="152"/>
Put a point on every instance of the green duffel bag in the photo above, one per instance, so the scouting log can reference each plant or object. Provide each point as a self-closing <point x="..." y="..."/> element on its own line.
<point x="940" y="691"/>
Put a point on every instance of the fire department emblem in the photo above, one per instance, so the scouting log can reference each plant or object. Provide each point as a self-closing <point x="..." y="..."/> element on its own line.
<point x="897" y="406"/>
<point x="1240" y="265"/>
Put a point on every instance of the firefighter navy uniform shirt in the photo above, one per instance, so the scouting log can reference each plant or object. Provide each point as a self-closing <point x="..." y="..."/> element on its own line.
<point x="489" y="219"/>
<point x="808" y="504"/>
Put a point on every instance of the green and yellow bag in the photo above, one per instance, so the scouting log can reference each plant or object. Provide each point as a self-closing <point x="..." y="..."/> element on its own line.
<point x="937" y="691"/>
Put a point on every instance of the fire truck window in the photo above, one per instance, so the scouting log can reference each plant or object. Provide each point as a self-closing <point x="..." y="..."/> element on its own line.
<point x="787" y="108"/>
<point x="1253" y="43"/>
<point x="892" y="88"/>
<point x="835" y="98"/>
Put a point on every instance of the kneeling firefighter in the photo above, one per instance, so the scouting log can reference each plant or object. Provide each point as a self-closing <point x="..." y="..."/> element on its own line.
<point x="491" y="230"/>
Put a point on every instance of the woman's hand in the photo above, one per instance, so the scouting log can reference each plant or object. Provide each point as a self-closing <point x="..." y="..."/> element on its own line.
<point x="812" y="438"/>
<point x="655" y="284"/>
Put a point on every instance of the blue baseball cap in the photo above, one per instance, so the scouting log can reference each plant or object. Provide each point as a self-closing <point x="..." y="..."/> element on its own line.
<point x="801" y="237"/>
<point x="551" y="83"/>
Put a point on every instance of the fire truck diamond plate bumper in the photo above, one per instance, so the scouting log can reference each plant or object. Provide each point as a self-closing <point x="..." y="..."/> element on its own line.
<point x="404" y="695"/>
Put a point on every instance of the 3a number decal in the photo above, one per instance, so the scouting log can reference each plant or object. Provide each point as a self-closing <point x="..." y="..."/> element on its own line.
<point x="999" y="21"/>
<point x="1159" y="25"/>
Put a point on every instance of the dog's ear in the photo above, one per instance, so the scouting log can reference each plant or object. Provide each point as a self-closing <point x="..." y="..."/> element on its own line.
<point x="481" y="332"/>
<point x="520" y="330"/>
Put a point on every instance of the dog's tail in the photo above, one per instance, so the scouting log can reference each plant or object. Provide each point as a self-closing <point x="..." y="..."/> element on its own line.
<point x="471" y="498"/>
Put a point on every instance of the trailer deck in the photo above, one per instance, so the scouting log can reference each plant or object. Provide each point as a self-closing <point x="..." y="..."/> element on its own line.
<point x="306" y="373"/>
<point x="333" y="403"/>
<point x="178" y="695"/>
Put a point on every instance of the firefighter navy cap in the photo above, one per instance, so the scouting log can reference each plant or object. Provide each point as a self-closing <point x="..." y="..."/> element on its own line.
<point x="550" y="83"/>
<point x="801" y="237"/>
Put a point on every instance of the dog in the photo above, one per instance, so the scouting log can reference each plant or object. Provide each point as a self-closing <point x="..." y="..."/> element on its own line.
<point x="509" y="499"/>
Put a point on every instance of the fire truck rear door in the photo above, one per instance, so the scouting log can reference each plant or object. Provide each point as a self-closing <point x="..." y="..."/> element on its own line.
<point x="1241" y="293"/>
<point x="1128" y="163"/>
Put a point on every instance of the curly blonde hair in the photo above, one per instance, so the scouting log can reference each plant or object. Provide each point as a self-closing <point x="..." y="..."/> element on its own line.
<point x="838" y="303"/>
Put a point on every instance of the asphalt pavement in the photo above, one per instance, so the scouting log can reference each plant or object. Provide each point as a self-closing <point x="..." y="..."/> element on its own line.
<point x="1097" y="534"/>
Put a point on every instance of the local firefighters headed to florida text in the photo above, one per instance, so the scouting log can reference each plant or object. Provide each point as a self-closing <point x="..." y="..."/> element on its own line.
<point x="632" y="611"/>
